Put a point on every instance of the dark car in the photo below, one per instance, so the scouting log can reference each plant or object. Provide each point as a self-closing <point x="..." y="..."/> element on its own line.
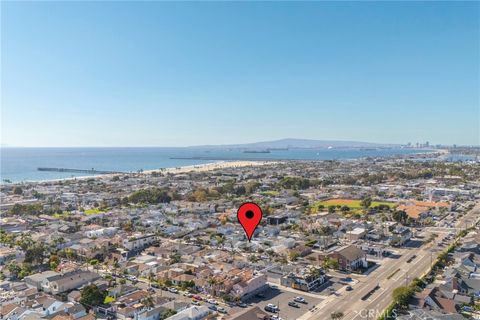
<point x="212" y="307"/>
<point x="349" y="288"/>
<point x="293" y="304"/>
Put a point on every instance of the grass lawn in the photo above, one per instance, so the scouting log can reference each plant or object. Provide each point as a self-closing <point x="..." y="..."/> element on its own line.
<point x="270" y="193"/>
<point x="354" y="205"/>
<point x="109" y="299"/>
<point x="62" y="215"/>
<point x="93" y="211"/>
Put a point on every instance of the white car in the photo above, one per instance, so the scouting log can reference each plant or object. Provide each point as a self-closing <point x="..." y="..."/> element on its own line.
<point x="212" y="301"/>
<point x="221" y="310"/>
<point x="173" y="290"/>
<point x="272" y="306"/>
<point x="300" y="299"/>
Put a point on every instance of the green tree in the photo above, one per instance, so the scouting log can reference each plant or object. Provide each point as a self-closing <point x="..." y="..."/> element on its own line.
<point x="14" y="269"/>
<point x="329" y="263"/>
<point x="401" y="295"/>
<point x="251" y="187"/>
<point x="240" y="190"/>
<point x="366" y="202"/>
<point x="17" y="190"/>
<point x="35" y="254"/>
<point x="150" y="195"/>
<point x="175" y="258"/>
<point x="91" y="296"/>
<point x="400" y="216"/>
<point x="167" y="313"/>
<point x="53" y="262"/>
<point x="94" y="263"/>
<point x="148" y="302"/>
<point x="296" y="183"/>
<point x="293" y="255"/>
<point x="25" y="270"/>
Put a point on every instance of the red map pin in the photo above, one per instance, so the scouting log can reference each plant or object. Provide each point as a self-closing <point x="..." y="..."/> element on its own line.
<point x="249" y="215"/>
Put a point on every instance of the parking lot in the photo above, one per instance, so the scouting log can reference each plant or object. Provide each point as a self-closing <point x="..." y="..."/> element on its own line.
<point x="280" y="298"/>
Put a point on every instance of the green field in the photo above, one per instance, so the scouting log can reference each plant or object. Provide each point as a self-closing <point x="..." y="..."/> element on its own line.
<point x="94" y="211"/>
<point x="352" y="204"/>
<point x="270" y="193"/>
<point x="62" y="215"/>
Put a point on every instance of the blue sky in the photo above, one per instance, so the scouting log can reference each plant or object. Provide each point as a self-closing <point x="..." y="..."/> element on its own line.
<point x="176" y="74"/>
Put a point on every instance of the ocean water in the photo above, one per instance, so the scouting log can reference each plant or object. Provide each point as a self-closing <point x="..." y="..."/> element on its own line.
<point x="20" y="164"/>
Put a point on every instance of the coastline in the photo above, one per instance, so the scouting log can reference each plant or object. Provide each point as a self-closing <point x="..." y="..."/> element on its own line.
<point x="170" y="170"/>
<point x="210" y="162"/>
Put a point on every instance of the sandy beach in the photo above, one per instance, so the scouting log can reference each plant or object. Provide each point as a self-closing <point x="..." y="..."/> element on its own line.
<point x="211" y="166"/>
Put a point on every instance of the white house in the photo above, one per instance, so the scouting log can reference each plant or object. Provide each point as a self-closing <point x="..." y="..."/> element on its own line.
<point x="192" y="313"/>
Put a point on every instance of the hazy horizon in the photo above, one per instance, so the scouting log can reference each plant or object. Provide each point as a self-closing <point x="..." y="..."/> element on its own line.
<point x="176" y="74"/>
<point x="242" y="144"/>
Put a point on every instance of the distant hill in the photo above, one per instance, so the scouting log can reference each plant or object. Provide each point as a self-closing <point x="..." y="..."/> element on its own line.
<point x="299" y="144"/>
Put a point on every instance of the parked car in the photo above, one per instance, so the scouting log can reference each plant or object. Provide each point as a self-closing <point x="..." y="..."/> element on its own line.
<point x="173" y="290"/>
<point x="195" y="303"/>
<point x="293" y="304"/>
<point x="212" y="307"/>
<point x="212" y="301"/>
<point x="270" y="309"/>
<point x="300" y="300"/>
<point x="349" y="288"/>
<point x="221" y="310"/>
<point x="242" y="305"/>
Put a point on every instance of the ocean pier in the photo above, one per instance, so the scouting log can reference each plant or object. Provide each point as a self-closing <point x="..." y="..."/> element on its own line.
<point x="89" y="171"/>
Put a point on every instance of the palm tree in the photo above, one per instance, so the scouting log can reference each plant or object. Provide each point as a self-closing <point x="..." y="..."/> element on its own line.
<point x="94" y="263"/>
<point x="148" y="302"/>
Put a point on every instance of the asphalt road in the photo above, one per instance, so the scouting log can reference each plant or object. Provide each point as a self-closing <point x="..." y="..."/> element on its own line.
<point x="351" y="303"/>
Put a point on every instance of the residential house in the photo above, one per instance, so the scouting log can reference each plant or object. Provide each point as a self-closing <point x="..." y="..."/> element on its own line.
<point x="305" y="279"/>
<point x="69" y="281"/>
<point x="350" y="258"/>
<point x="400" y="236"/>
<point x="191" y="313"/>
